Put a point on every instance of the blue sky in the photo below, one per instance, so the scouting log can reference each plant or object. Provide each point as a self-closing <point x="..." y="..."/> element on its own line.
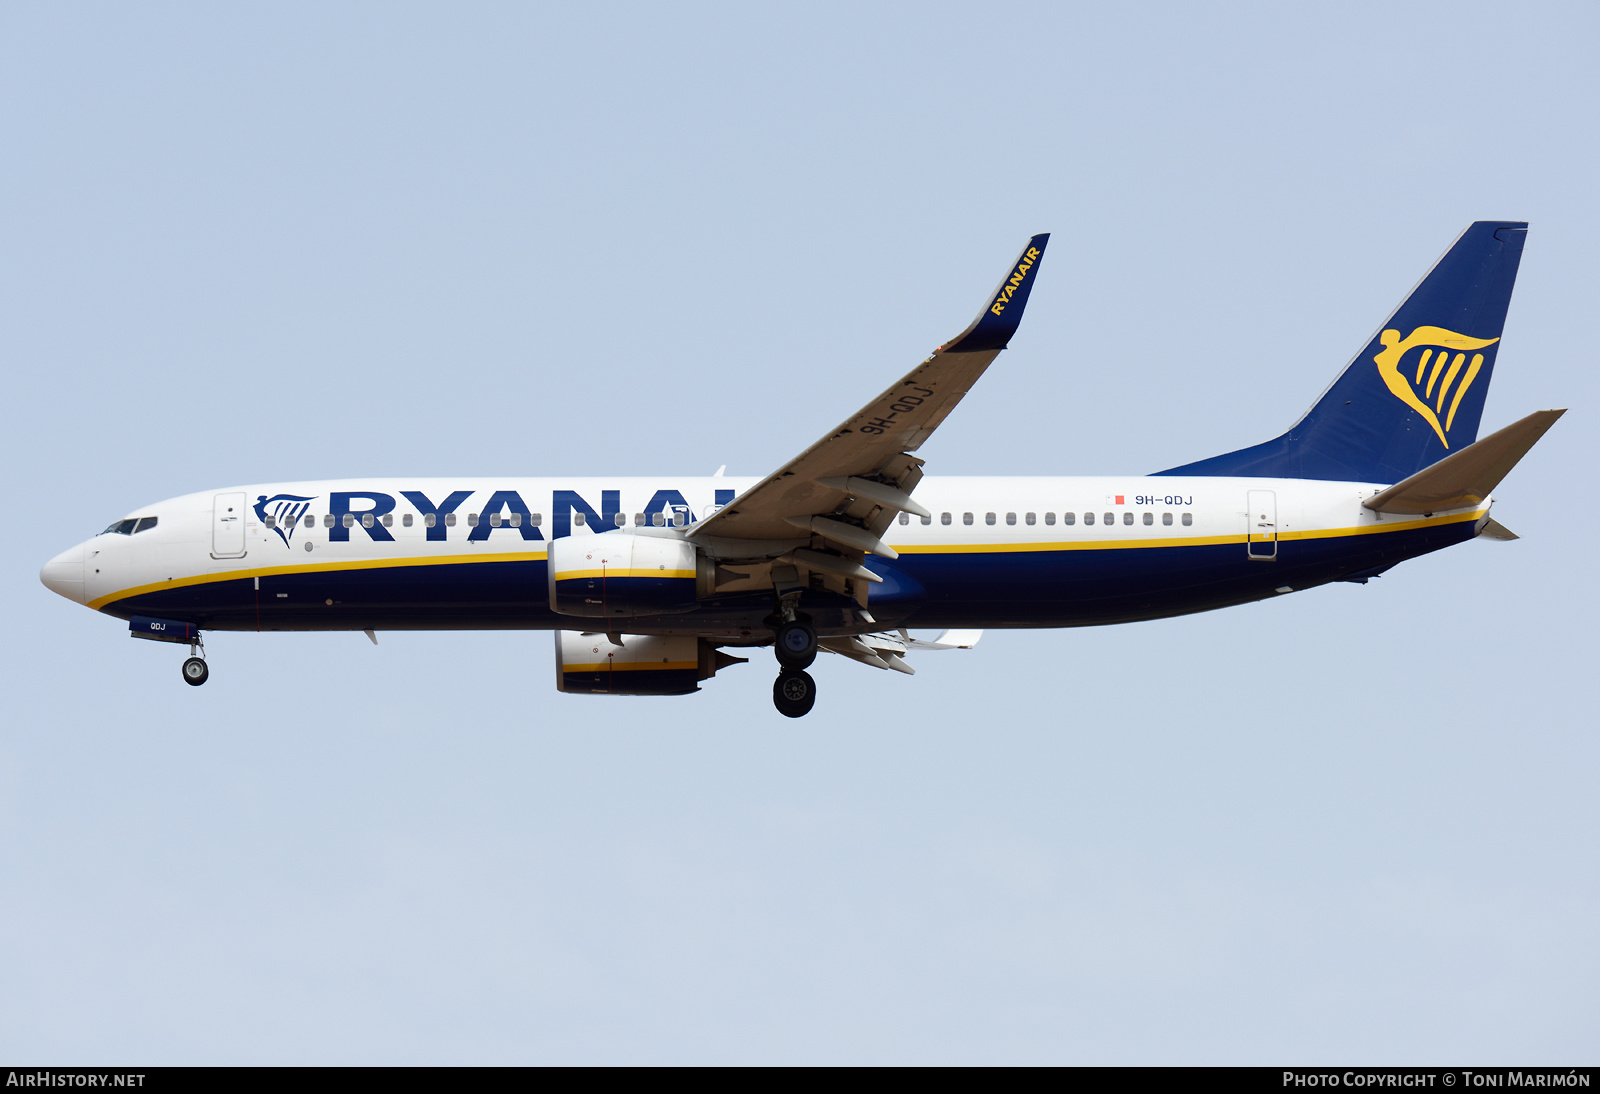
<point x="251" y="243"/>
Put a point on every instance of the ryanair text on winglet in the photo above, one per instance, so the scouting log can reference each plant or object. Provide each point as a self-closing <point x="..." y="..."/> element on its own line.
<point x="1014" y="282"/>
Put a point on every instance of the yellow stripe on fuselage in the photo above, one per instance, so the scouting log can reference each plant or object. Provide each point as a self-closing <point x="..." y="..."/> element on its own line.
<point x="315" y="568"/>
<point x="630" y="666"/>
<point x="611" y="575"/>
<point x="1182" y="541"/>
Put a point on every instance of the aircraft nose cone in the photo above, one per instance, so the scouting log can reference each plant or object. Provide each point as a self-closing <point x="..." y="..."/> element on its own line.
<point x="63" y="574"/>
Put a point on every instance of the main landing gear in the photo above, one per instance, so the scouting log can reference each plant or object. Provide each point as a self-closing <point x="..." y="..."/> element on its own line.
<point x="794" y="693"/>
<point x="796" y="644"/>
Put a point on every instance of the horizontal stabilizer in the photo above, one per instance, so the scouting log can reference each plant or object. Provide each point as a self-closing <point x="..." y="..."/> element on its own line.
<point x="1493" y="529"/>
<point x="1465" y="478"/>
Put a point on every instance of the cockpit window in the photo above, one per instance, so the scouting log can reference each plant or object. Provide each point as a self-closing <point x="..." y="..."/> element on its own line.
<point x="121" y="528"/>
<point x="145" y="524"/>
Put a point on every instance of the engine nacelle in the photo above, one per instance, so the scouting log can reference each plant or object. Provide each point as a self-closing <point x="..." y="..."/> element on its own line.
<point x="643" y="665"/>
<point x="617" y="576"/>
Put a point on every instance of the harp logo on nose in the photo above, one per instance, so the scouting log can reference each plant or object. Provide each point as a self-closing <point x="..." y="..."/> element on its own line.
<point x="285" y="511"/>
<point x="1430" y="368"/>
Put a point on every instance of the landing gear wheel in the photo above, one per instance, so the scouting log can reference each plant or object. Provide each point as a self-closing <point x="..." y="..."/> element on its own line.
<point x="796" y="645"/>
<point x="794" y="693"/>
<point x="195" y="671"/>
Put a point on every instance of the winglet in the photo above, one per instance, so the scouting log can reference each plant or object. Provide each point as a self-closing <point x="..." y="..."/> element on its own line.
<point x="999" y="320"/>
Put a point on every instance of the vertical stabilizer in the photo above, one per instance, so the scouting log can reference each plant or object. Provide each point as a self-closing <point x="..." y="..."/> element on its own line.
<point x="1415" y="392"/>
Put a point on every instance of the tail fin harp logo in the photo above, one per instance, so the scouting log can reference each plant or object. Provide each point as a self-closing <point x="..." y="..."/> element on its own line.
<point x="285" y="511"/>
<point x="1433" y="372"/>
<point x="1014" y="282"/>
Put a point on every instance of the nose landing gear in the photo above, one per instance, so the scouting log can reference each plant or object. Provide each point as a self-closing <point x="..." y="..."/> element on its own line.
<point x="195" y="671"/>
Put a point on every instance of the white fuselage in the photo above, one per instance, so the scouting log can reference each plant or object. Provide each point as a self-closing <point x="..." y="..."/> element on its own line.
<point x="988" y="530"/>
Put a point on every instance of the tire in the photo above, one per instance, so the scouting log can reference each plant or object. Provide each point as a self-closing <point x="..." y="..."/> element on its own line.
<point x="795" y="645"/>
<point x="195" y="672"/>
<point x="794" y="693"/>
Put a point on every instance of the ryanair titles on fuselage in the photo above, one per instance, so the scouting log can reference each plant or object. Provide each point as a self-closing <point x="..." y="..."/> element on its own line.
<point x="504" y="510"/>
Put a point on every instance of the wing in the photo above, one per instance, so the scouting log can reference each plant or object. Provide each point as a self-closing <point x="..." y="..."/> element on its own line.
<point x="848" y="486"/>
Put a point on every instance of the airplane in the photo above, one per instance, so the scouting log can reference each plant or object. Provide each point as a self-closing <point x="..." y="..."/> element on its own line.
<point x="848" y="545"/>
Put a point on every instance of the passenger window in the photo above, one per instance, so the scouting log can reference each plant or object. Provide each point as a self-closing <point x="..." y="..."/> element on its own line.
<point x="388" y="520"/>
<point x="431" y="520"/>
<point x="1031" y="519"/>
<point x="638" y="520"/>
<point x="405" y="521"/>
<point x="494" y="520"/>
<point x="1011" y="518"/>
<point x="1127" y="518"/>
<point x="927" y="520"/>
<point x="944" y="518"/>
<point x="1166" y="519"/>
<point x="348" y="520"/>
<point x="366" y="520"/>
<point x="658" y="519"/>
<point x="579" y="519"/>
<point x="1049" y="518"/>
<point x="515" y="520"/>
<point x="449" y="520"/>
<point x="905" y="518"/>
<point x="1088" y="518"/>
<point x="271" y="521"/>
<point x="988" y="518"/>
<point x="966" y="518"/>
<point x="1149" y="518"/>
<point x="1072" y="518"/>
<point x="622" y="520"/>
<point x="311" y="521"/>
<point x="1110" y="518"/>
<point x="327" y="520"/>
<point x="1188" y="519"/>
<point x="472" y="520"/>
<point x="534" y="519"/>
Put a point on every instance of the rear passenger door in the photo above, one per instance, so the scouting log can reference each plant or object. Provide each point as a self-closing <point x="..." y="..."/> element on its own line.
<point x="1261" y="525"/>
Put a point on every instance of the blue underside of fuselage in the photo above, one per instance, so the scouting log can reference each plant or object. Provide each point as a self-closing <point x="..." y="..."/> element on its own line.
<point x="1060" y="588"/>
